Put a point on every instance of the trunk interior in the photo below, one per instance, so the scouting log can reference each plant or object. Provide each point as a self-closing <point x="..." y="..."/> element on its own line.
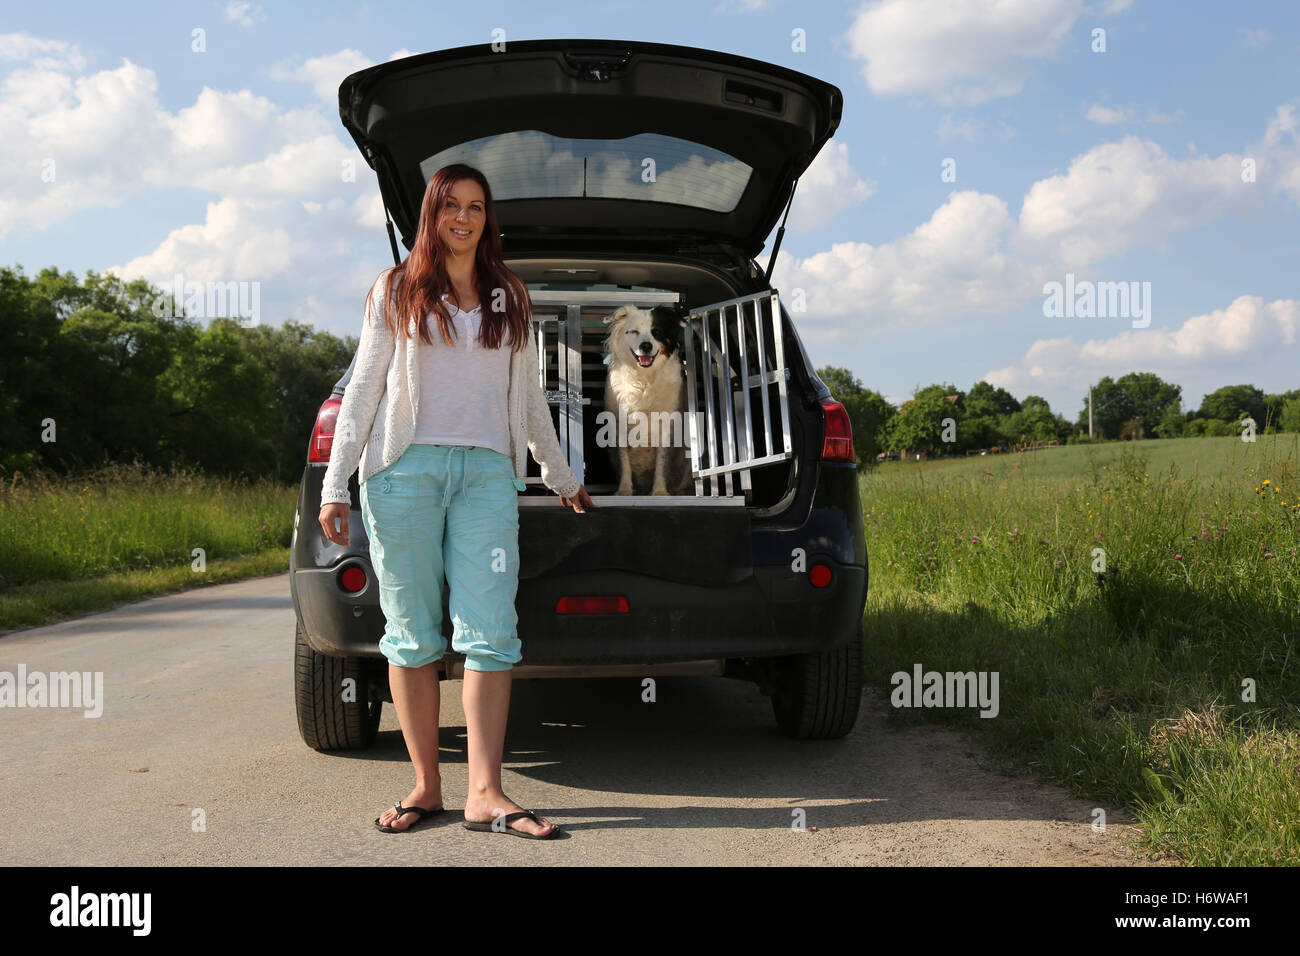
<point x="572" y="335"/>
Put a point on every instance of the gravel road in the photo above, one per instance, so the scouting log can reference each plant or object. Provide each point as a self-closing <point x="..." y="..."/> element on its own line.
<point x="198" y="715"/>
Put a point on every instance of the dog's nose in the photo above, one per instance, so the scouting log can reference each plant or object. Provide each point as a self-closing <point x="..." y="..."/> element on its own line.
<point x="645" y="347"/>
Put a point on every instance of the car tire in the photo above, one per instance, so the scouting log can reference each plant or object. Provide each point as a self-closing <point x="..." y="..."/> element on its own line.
<point x="325" y="720"/>
<point x="816" y="696"/>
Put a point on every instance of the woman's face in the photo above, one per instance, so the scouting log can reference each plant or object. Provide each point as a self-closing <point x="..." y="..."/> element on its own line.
<point x="460" y="222"/>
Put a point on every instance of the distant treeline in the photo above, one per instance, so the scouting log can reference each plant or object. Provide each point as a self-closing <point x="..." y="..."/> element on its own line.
<point x="88" y="363"/>
<point x="1135" y="405"/>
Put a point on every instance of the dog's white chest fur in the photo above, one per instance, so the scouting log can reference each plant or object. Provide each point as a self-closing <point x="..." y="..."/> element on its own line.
<point x="660" y="391"/>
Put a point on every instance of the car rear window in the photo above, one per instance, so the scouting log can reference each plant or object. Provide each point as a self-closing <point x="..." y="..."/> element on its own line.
<point x="530" y="164"/>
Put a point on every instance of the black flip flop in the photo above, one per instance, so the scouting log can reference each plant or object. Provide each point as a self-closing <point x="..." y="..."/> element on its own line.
<point x="505" y="820"/>
<point x="423" y="815"/>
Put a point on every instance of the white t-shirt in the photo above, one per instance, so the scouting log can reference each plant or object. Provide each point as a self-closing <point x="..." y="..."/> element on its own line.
<point x="463" y="389"/>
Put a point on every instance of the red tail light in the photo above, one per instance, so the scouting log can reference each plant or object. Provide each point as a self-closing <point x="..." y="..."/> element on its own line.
<point x="591" y="604"/>
<point x="838" y="443"/>
<point x="322" y="435"/>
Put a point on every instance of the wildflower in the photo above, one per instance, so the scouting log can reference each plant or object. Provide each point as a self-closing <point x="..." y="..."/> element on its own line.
<point x="1178" y="557"/>
<point x="975" y="540"/>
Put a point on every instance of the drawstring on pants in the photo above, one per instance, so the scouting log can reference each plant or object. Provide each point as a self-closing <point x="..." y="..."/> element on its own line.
<point x="464" y="473"/>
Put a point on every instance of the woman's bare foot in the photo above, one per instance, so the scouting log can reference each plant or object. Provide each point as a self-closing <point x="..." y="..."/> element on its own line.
<point x="427" y="797"/>
<point x="484" y="808"/>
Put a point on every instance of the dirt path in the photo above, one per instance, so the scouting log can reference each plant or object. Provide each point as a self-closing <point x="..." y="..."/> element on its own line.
<point x="198" y="716"/>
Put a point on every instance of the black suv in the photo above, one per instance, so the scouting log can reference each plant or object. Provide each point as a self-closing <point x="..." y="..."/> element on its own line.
<point x="649" y="175"/>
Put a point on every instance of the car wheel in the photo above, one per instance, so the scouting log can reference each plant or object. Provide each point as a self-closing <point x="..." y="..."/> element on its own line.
<point x="325" y="720"/>
<point x="816" y="696"/>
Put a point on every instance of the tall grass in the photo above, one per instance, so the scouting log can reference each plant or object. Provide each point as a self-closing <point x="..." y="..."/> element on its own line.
<point x="995" y="566"/>
<point x="132" y="523"/>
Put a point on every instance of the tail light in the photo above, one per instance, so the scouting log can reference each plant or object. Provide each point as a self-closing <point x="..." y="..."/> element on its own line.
<point x="322" y="435"/>
<point x="838" y="443"/>
<point x="591" y="604"/>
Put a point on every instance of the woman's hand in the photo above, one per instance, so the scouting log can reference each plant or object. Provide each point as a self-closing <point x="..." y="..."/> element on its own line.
<point x="580" y="503"/>
<point x="330" y="511"/>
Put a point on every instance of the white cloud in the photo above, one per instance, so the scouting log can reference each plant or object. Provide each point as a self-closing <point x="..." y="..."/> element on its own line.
<point x="952" y="264"/>
<point x="828" y="187"/>
<point x="1254" y="36"/>
<point x="1106" y="116"/>
<point x="1126" y="193"/>
<point x="105" y="137"/>
<point x="1112" y="7"/>
<point x="1239" y="337"/>
<point x="223" y="128"/>
<point x="1282" y="125"/>
<point x="43" y="54"/>
<point x="244" y="13"/>
<point x="75" y="143"/>
<point x="301" y="168"/>
<point x="965" y="52"/>
<point x="1281" y="151"/>
<point x="972" y="257"/>
<point x="323" y="73"/>
<point x="307" y="256"/>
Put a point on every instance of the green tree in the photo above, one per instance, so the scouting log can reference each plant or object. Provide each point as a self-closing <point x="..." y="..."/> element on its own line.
<point x="1273" y="405"/>
<point x="1173" y="424"/>
<point x="919" y="424"/>
<point x="1232" y="403"/>
<point x="1141" y="395"/>
<point x="1289" y="418"/>
<point x="303" y="364"/>
<point x="1034" y="421"/>
<point x="987" y="412"/>
<point x="985" y="401"/>
<point x="221" y="396"/>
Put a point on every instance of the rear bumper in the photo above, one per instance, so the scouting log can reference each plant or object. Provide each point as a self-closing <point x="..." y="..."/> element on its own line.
<point x="774" y="612"/>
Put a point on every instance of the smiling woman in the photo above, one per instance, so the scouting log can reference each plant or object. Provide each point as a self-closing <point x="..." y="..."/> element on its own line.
<point x="444" y="504"/>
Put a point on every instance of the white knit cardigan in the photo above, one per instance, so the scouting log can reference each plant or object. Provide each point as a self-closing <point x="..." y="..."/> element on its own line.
<point x="386" y="375"/>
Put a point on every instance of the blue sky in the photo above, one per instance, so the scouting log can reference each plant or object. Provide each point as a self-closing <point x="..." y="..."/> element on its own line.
<point x="1123" y="165"/>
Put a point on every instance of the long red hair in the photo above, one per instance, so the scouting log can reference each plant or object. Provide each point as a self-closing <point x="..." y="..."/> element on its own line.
<point x="422" y="280"/>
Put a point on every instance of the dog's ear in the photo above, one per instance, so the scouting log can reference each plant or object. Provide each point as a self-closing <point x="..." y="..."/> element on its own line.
<point x="623" y="310"/>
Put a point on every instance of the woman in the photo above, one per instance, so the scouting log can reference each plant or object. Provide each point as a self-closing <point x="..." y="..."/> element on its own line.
<point x="440" y="476"/>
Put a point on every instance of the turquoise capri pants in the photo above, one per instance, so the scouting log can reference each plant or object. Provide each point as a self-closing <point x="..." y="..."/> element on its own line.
<point x="453" y="511"/>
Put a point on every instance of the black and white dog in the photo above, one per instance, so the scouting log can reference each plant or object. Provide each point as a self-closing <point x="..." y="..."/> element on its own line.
<point x="645" y="376"/>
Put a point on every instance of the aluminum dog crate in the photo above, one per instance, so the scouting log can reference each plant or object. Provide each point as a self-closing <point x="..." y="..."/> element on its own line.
<point x="730" y="349"/>
<point x="721" y="340"/>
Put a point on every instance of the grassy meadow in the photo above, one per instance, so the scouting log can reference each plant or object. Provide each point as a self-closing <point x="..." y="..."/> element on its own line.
<point x="1167" y="684"/>
<point x="122" y="532"/>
